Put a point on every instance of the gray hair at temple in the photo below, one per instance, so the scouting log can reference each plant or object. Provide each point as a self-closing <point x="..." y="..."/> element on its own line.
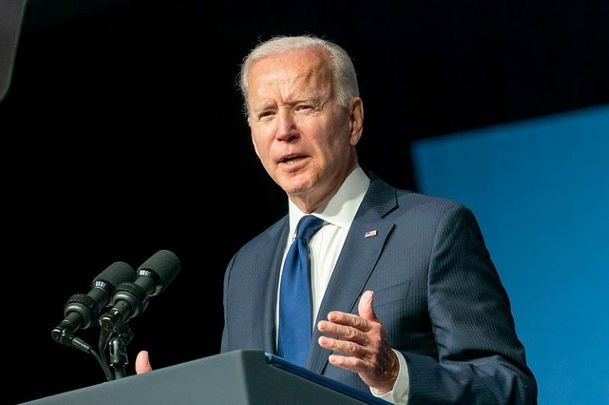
<point x="345" y="80"/>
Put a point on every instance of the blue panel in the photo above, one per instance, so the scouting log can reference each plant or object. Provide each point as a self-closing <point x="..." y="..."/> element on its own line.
<point x="540" y="190"/>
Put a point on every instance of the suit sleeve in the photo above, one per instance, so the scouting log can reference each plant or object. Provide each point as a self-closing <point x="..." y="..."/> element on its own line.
<point x="480" y="359"/>
<point x="224" y="346"/>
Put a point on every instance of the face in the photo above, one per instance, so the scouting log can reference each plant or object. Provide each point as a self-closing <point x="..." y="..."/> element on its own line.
<point x="303" y="137"/>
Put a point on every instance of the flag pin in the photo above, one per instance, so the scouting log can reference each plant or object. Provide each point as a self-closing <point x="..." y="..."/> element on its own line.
<point x="370" y="234"/>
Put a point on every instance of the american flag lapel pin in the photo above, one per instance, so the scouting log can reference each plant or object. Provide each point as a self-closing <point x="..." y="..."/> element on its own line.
<point x="370" y="234"/>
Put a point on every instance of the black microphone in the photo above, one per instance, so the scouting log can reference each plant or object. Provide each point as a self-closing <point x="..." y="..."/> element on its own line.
<point x="131" y="298"/>
<point x="81" y="310"/>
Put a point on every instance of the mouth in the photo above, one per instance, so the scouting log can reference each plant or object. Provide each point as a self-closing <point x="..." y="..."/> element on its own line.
<point x="291" y="160"/>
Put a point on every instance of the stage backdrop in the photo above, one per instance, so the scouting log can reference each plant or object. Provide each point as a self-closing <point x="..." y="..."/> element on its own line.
<point x="540" y="190"/>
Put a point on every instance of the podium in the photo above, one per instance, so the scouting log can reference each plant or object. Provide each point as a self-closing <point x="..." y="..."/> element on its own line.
<point x="238" y="377"/>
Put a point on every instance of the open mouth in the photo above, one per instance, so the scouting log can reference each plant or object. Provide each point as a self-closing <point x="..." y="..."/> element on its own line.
<point x="291" y="159"/>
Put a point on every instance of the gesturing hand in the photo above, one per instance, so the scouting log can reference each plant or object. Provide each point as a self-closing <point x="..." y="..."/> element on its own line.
<point x="362" y="345"/>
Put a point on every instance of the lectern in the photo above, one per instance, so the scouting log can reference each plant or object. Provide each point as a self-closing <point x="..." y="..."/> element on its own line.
<point x="238" y="377"/>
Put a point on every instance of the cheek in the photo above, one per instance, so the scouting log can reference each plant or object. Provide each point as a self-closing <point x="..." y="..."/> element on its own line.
<point x="261" y="144"/>
<point x="256" y="149"/>
<point x="336" y="145"/>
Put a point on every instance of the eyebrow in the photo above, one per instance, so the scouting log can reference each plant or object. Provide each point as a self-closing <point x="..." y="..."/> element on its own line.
<point x="313" y="100"/>
<point x="262" y="107"/>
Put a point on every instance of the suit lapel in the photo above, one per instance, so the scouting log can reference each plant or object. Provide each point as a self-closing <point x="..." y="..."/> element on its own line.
<point x="271" y="259"/>
<point x="362" y="248"/>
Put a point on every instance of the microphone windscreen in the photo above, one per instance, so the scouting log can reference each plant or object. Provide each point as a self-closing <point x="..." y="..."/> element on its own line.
<point x="165" y="264"/>
<point x="116" y="273"/>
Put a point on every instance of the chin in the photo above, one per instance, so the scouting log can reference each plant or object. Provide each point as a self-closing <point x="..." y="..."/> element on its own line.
<point x="295" y="184"/>
<point x="297" y="188"/>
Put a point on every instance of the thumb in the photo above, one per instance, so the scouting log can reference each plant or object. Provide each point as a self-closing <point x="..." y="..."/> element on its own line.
<point x="142" y="363"/>
<point x="365" y="308"/>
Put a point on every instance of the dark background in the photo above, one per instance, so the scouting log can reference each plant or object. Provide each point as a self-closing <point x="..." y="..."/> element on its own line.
<point x="123" y="134"/>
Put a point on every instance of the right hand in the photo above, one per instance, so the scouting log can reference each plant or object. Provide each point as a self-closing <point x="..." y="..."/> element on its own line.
<point x="142" y="363"/>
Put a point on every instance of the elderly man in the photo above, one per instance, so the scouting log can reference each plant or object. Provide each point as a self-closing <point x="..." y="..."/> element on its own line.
<point x="379" y="288"/>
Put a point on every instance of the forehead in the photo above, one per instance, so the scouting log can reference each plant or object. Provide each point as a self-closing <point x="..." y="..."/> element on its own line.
<point x="307" y="66"/>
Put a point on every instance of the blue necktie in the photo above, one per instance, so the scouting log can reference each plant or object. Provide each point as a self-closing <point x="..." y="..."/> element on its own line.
<point x="295" y="309"/>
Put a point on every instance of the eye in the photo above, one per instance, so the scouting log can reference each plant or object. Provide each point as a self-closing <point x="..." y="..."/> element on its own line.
<point x="305" y="107"/>
<point x="265" y="115"/>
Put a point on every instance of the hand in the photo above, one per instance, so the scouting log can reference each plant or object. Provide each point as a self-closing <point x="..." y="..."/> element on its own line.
<point x="362" y="344"/>
<point x="142" y="363"/>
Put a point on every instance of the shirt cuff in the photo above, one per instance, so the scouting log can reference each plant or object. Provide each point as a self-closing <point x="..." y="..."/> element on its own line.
<point x="399" y="393"/>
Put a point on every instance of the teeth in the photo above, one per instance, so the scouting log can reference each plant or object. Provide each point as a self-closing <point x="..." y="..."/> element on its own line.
<point x="290" y="162"/>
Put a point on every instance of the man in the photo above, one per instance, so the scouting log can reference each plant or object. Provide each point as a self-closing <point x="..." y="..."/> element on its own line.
<point x="405" y="298"/>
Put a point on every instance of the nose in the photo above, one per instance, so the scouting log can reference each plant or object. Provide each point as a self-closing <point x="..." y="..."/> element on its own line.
<point x="287" y="129"/>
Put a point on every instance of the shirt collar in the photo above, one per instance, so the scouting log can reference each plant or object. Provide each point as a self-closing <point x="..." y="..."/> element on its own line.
<point x="342" y="206"/>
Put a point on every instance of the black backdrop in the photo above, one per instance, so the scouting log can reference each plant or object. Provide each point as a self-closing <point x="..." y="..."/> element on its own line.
<point x="123" y="135"/>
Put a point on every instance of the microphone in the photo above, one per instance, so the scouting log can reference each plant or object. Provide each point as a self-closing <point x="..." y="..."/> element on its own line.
<point x="81" y="310"/>
<point x="131" y="298"/>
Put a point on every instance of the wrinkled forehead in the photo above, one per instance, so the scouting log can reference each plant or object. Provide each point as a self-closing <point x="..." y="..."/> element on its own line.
<point x="308" y="67"/>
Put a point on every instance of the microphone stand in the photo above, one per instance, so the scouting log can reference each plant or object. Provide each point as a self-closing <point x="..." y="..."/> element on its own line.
<point x="117" y="348"/>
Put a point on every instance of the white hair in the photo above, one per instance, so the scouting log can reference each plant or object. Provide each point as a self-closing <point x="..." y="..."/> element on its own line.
<point x="344" y="79"/>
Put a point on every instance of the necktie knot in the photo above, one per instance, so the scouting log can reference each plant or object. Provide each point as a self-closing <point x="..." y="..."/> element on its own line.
<point x="307" y="226"/>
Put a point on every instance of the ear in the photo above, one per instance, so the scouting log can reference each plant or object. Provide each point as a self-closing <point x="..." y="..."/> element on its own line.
<point x="356" y="120"/>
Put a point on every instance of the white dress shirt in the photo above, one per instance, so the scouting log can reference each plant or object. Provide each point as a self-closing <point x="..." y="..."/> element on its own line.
<point x="324" y="249"/>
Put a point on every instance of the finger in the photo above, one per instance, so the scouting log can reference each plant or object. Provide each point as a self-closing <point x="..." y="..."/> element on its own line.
<point x="365" y="308"/>
<point x="349" y="363"/>
<point x="142" y="363"/>
<point x="342" y="346"/>
<point x="380" y="376"/>
<point x="352" y="320"/>
<point x="343" y="332"/>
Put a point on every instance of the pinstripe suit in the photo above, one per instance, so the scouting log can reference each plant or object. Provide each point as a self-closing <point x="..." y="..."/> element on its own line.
<point x="436" y="292"/>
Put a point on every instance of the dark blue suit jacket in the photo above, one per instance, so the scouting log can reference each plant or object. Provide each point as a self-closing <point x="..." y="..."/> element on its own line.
<point x="436" y="292"/>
